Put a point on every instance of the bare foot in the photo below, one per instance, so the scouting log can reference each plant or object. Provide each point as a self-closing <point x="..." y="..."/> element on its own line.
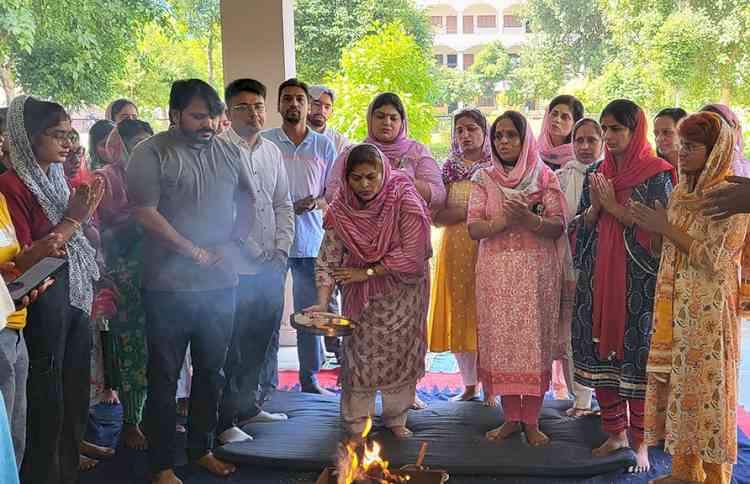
<point x="470" y="393"/>
<point x="110" y="397"/>
<point x="165" y="477"/>
<point x="641" y="459"/>
<point x="94" y="450"/>
<point x="504" y="431"/>
<point x="401" y="432"/>
<point x="612" y="444"/>
<point x="535" y="436"/>
<point x="668" y="480"/>
<point x="215" y="466"/>
<point x="86" y="463"/>
<point x="182" y="407"/>
<point x="133" y="437"/>
<point x="490" y="400"/>
<point x="418" y="404"/>
<point x="578" y="412"/>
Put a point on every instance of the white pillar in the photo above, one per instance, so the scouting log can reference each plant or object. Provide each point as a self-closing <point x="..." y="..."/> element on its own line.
<point x="460" y="23"/>
<point x="460" y="61"/>
<point x="258" y="42"/>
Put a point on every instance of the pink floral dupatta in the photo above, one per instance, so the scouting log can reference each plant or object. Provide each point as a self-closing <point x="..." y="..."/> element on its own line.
<point x="372" y="230"/>
<point x="532" y="178"/>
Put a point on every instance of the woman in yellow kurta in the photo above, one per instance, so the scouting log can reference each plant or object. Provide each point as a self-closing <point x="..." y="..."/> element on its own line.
<point x="453" y="314"/>
<point x="691" y="397"/>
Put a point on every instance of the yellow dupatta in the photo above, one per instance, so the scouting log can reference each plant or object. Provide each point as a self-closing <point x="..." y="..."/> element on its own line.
<point x="684" y="210"/>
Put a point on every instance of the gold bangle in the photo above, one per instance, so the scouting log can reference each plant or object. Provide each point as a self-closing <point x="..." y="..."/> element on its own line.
<point x="76" y="224"/>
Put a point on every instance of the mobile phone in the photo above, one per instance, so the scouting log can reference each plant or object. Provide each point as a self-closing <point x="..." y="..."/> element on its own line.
<point x="29" y="280"/>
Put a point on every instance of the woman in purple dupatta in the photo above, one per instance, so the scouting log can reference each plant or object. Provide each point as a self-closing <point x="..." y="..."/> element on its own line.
<point x="388" y="129"/>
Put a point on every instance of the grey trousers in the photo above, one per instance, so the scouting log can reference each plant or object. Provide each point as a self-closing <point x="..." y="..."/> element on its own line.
<point x="357" y="406"/>
<point x="14" y="368"/>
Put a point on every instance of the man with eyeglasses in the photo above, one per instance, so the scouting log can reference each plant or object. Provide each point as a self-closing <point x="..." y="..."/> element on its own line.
<point x="265" y="231"/>
<point x="321" y="108"/>
<point x="308" y="157"/>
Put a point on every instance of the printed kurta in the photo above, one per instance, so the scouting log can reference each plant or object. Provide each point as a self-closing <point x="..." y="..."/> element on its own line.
<point x="519" y="286"/>
<point x="453" y="309"/>
<point x="695" y="411"/>
<point x="629" y="375"/>
<point x="387" y="349"/>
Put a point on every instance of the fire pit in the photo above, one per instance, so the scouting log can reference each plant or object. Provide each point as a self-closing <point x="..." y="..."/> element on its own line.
<point x="359" y="462"/>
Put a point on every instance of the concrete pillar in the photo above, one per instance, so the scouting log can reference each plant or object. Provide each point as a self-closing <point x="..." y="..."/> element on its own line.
<point x="258" y="42"/>
<point x="460" y="65"/>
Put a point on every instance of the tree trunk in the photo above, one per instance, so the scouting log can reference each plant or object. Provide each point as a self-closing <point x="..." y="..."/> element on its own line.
<point x="211" y="55"/>
<point x="726" y="95"/>
<point x="6" y="79"/>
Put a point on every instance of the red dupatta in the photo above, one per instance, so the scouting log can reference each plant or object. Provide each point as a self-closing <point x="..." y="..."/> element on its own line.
<point x="610" y="266"/>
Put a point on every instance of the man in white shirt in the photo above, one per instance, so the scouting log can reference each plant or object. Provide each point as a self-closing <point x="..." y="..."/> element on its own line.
<point x="264" y="235"/>
<point x="321" y="108"/>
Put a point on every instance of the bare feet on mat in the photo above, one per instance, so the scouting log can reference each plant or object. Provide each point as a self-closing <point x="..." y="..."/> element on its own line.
<point x="578" y="412"/>
<point x="535" y="436"/>
<point x="133" y="437"/>
<point x="94" y="450"/>
<point x="182" y="406"/>
<point x="316" y="388"/>
<point x="215" y="466"/>
<point x="418" y="404"/>
<point x="470" y="393"/>
<point x="490" y="400"/>
<point x="669" y="480"/>
<point x="401" y="432"/>
<point x="641" y="459"/>
<point x="165" y="477"/>
<point x="110" y="397"/>
<point x="504" y="431"/>
<point x="86" y="463"/>
<point x="612" y="444"/>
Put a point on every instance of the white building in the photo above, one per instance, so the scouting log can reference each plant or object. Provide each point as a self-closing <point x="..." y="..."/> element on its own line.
<point x="463" y="27"/>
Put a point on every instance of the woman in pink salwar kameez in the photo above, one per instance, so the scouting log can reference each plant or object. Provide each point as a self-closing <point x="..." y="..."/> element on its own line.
<point x="524" y="281"/>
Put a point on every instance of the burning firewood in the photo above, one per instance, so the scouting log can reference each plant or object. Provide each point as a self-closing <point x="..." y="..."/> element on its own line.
<point x="359" y="461"/>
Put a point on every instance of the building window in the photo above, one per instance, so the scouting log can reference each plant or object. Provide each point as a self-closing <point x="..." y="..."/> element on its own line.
<point x="468" y="61"/>
<point x="468" y="24"/>
<point x="452" y="60"/>
<point x="439" y="59"/>
<point x="451" y="24"/>
<point x="487" y="21"/>
<point x="436" y="20"/>
<point x="512" y="21"/>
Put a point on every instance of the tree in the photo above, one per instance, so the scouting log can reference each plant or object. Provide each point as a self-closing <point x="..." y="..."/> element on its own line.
<point x="493" y="64"/>
<point x="539" y="75"/>
<point x="390" y="60"/>
<point x="78" y="48"/>
<point x="203" y="20"/>
<point x="323" y="29"/>
<point x="16" y="35"/>
<point x="453" y="86"/>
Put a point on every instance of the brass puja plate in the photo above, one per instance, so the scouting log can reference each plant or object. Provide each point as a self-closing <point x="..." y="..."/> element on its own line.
<point x="324" y="324"/>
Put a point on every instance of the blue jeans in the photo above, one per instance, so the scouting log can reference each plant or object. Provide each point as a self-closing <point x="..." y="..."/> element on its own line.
<point x="205" y="320"/>
<point x="260" y="306"/>
<point x="309" y="347"/>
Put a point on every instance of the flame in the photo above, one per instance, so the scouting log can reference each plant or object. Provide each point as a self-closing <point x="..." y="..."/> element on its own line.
<point x="371" y="468"/>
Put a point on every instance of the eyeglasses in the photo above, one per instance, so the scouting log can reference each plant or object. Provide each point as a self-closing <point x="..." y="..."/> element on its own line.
<point x="62" y="135"/>
<point x="249" y="108"/>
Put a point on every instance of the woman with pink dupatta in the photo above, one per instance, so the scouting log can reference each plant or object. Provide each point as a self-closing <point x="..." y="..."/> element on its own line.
<point x="388" y="130"/>
<point x="555" y="139"/>
<point x="121" y="241"/>
<point x="524" y="275"/>
<point x="376" y="249"/>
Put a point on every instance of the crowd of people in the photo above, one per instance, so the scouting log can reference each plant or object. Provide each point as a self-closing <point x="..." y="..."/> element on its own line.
<point x="581" y="260"/>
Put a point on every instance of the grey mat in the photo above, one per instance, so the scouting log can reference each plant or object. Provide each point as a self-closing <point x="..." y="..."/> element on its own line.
<point x="454" y="432"/>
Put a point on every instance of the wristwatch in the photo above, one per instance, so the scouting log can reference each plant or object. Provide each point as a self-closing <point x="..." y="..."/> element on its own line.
<point x="370" y="272"/>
